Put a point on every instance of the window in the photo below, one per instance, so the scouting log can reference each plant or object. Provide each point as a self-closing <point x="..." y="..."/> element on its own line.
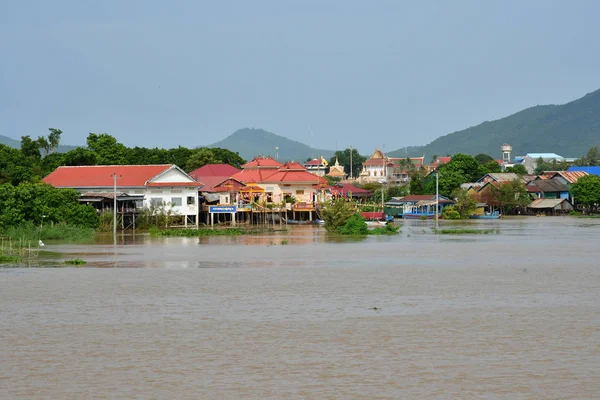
<point x="176" y="201"/>
<point x="176" y="191"/>
<point x="299" y="191"/>
<point x="191" y="200"/>
<point x="156" y="201"/>
<point x="156" y="191"/>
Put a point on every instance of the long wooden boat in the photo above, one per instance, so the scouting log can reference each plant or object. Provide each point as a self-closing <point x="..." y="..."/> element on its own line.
<point x="487" y="215"/>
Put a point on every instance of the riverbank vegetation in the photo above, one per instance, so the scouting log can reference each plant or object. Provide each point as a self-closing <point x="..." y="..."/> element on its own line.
<point x="466" y="231"/>
<point x="341" y="218"/>
<point x="232" y="231"/>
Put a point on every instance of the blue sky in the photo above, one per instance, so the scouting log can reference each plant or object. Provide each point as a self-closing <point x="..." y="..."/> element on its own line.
<point x="367" y="74"/>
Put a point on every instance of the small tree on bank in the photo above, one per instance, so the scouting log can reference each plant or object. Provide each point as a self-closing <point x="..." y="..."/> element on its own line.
<point x="586" y="191"/>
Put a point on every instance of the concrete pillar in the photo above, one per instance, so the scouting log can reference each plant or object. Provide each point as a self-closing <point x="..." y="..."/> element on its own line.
<point x="232" y="218"/>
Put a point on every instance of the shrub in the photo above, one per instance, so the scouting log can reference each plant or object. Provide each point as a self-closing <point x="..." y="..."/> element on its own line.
<point x="336" y="214"/>
<point x="450" y="212"/>
<point x="388" y="229"/>
<point x="355" y="225"/>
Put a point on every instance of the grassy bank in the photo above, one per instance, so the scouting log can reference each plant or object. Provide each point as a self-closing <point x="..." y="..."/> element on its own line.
<point x="465" y="231"/>
<point x="211" y="232"/>
<point x="29" y="232"/>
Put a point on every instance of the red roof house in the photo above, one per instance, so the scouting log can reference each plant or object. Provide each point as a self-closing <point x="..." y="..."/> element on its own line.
<point x="346" y="189"/>
<point x="164" y="184"/>
<point x="101" y="176"/>
<point x="292" y="172"/>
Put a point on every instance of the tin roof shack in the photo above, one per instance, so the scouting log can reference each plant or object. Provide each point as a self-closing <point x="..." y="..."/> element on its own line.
<point x="549" y="189"/>
<point x="550" y="207"/>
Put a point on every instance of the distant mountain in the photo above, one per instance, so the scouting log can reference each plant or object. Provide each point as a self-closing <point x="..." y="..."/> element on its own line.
<point x="253" y="142"/>
<point x="569" y="130"/>
<point x="17" y="144"/>
<point x="10" y="142"/>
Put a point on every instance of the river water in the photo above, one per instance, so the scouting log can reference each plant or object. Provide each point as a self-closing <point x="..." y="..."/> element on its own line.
<point x="508" y="315"/>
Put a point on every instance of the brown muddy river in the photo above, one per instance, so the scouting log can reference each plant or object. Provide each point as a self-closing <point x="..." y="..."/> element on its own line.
<point x="509" y="315"/>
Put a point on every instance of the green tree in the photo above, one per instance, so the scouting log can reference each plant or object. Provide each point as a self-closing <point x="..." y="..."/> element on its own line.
<point x="355" y="225"/>
<point x="337" y="213"/>
<point x="483" y="158"/>
<point x="592" y="158"/>
<point x="54" y="138"/>
<point x="228" y="157"/>
<point x="518" y="169"/>
<point x="488" y="168"/>
<point x="28" y="202"/>
<point x="108" y="151"/>
<point x="464" y="164"/>
<point x="30" y="148"/>
<point x="449" y="181"/>
<point x="586" y="191"/>
<point x="512" y="195"/>
<point x="417" y="182"/>
<point x="465" y="203"/>
<point x="201" y="157"/>
<point x="80" y="156"/>
<point x="43" y="144"/>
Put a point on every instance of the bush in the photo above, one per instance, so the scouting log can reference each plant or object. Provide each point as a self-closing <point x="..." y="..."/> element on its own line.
<point x="337" y="213"/>
<point x="450" y="212"/>
<point x="355" y="225"/>
<point x="388" y="229"/>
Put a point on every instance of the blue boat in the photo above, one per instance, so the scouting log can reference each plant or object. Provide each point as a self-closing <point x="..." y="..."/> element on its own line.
<point x="487" y="215"/>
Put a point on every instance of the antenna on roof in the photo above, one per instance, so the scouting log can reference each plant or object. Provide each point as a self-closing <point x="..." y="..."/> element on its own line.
<point x="312" y="154"/>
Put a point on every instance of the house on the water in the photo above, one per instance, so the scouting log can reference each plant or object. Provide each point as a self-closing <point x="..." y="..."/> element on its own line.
<point x="396" y="206"/>
<point x="148" y="186"/>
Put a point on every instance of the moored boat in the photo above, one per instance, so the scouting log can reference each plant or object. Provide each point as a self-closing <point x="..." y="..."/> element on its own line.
<point x="487" y="215"/>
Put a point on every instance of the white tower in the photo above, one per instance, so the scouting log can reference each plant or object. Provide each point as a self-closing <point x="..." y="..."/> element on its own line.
<point x="506" y="152"/>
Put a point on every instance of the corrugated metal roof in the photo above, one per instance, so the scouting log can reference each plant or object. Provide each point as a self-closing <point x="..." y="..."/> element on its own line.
<point x="500" y="177"/>
<point x="545" y="156"/>
<point x="547" y="203"/>
<point x="572" y="176"/>
<point x="550" y="185"/>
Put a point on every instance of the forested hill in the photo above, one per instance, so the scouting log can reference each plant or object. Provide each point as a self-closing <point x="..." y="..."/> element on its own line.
<point x="9" y="142"/>
<point x="252" y="142"/>
<point x="569" y="130"/>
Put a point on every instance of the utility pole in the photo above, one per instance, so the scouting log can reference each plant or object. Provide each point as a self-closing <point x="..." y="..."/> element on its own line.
<point x="115" y="176"/>
<point x="350" y="161"/>
<point x="437" y="197"/>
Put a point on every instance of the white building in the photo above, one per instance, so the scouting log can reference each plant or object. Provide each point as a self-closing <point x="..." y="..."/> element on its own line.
<point x="159" y="185"/>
